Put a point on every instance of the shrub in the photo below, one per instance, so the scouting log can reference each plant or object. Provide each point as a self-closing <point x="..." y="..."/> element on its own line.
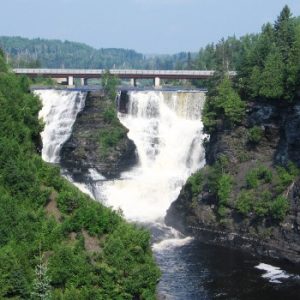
<point x="252" y="179"/>
<point x="255" y="134"/>
<point x="279" y="208"/>
<point x="109" y="115"/>
<point x="244" y="202"/>
<point x="68" y="201"/>
<point x="109" y="139"/>
<point x="262" y="204"/>
<point x="196" y="182"/>
<point x="224" y="188"/>
<point x="255" y="176"/>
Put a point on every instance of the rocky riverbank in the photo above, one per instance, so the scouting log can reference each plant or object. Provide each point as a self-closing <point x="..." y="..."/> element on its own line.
<point x="261" y="214"/>
<point x="98" y="141"/>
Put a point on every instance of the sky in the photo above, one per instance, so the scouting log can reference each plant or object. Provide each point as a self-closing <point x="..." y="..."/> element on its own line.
<point x="147" y="26"/>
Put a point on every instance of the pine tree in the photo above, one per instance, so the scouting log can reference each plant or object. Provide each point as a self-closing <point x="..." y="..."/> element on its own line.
<point x="285" y="32"/>
<point x="272" y="77"/>
<point x="41" y="284"/>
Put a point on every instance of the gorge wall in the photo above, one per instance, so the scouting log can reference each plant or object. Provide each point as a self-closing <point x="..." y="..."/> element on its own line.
<point x="196" y="213"/>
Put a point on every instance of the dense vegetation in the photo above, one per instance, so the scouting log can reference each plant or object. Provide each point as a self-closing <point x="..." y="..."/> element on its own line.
<point x="55" y="242"/>
<point x="268" y="71"/>
<point x="261" y="193"/>
<point x="268" y="67"/>
<point x="32" y="53"/>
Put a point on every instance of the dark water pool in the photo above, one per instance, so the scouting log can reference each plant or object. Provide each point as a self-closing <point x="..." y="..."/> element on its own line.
<point x="199" y="271"/>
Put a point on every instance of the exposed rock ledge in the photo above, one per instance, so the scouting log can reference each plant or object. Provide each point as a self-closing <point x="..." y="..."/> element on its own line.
<point x="83" y="151"/>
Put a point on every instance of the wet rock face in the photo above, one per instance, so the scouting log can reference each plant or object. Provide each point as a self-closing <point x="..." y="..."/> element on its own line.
<point x="280" y="144"/>
<point x="83" y="150"/>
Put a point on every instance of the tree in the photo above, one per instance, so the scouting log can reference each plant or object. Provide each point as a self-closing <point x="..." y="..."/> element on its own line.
<point x="41" y="284"/>
<point x="272" y="77"/>
<point x="229" y="102"/>
<point x="109" y="84"/>
<point x="285" y="32"/>
<point x="223" y="103"/>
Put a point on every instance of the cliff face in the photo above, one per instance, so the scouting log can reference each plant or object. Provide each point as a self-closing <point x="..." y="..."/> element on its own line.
<point x="197" y="213"/>
<point x="98" y="141"/>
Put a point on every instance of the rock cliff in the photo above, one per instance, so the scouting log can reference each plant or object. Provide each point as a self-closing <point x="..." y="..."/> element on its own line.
<point x="98" y="141"/>
<point x="242" y="224"/>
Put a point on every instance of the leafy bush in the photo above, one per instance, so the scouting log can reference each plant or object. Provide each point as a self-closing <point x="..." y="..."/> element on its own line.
<point x="262" y="204"/>
<point x="196" y="182"/>
<point x="244" y="203"/>
<point x="279" y="208"/>
<point x="257" y="176"/>
<point x="109" y="115"/>
<point x="224" y="188"/>
<point x="109" y="139"/>
<point x="255" y="134"/>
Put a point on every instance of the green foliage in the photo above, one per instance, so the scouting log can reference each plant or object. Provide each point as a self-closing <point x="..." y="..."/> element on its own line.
<point x="270" y="68"/>
<point x="225" y="104"/>
<point x="244" y="203"/>
<point x="261" y="204"/>
<point x="110" y="115"/>
<point x="196" y="182"/>
<point x="109" y="84"/>
<point x="257" y="176"/>
<point x="27" y="228"/>
<point x="224" y="188"/>
<point x="285" y="176"/>
<point x="279" y="208"/>
<point x="109" y="139"/>
<point x="263" y="196"/>
<point x="41" y="284"/>
<point x="255" y="135"/>
<point x="36" y="53"/>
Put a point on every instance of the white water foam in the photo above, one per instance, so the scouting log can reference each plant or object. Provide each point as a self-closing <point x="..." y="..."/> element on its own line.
<point x="166" y="128"/>
<point x="59" y="112"/>
<point x="273" y="274"/>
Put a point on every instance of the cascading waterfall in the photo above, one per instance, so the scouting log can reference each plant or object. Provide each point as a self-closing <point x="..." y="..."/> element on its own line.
<point x="59" y="112"/>
<point x="167" y="131"/>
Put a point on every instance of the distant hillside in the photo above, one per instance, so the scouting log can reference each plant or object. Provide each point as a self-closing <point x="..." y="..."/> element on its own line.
<point x="23" y="52"/>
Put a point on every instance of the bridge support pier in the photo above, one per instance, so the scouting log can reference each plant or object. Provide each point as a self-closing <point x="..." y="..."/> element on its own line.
<point x="157" y="82"/>
<point x="133" y="82"/>
<point x="83" y="81"/>
<point x="70" y="81"/>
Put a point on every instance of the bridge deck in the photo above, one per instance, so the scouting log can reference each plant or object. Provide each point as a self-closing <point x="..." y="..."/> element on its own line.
<point x="139" y="74"/>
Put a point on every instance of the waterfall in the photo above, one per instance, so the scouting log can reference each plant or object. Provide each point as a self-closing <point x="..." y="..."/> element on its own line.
<point x="59" y="112"/>
<point x="166" y="128"/>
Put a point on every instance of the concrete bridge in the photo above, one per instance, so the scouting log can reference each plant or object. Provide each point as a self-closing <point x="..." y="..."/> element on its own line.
<point x="68" y="75"/>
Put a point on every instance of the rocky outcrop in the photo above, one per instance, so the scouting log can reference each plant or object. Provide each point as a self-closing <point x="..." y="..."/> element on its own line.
<point x="280" y="143"/>
<point x="84" y="151"/>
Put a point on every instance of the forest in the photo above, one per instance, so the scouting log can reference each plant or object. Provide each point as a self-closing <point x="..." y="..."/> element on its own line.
<point x="35" y="53"/>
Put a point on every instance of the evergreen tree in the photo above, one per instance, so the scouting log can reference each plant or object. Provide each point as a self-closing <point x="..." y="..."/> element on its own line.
<point x="271" y="79"/>
<point x="285" y="32"/>
<point x="41" y="284"/>
<point x="223" y="103"/>
<point x="109" y="84"/>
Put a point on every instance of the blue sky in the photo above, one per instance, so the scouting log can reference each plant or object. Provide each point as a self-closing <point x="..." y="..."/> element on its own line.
<point x="148" y="26"/>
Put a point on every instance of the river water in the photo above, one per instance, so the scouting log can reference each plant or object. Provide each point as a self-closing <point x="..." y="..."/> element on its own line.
<point x="166" y="128"/>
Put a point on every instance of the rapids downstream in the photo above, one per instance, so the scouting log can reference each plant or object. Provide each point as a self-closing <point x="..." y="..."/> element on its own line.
<point x="166" y="128"/>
